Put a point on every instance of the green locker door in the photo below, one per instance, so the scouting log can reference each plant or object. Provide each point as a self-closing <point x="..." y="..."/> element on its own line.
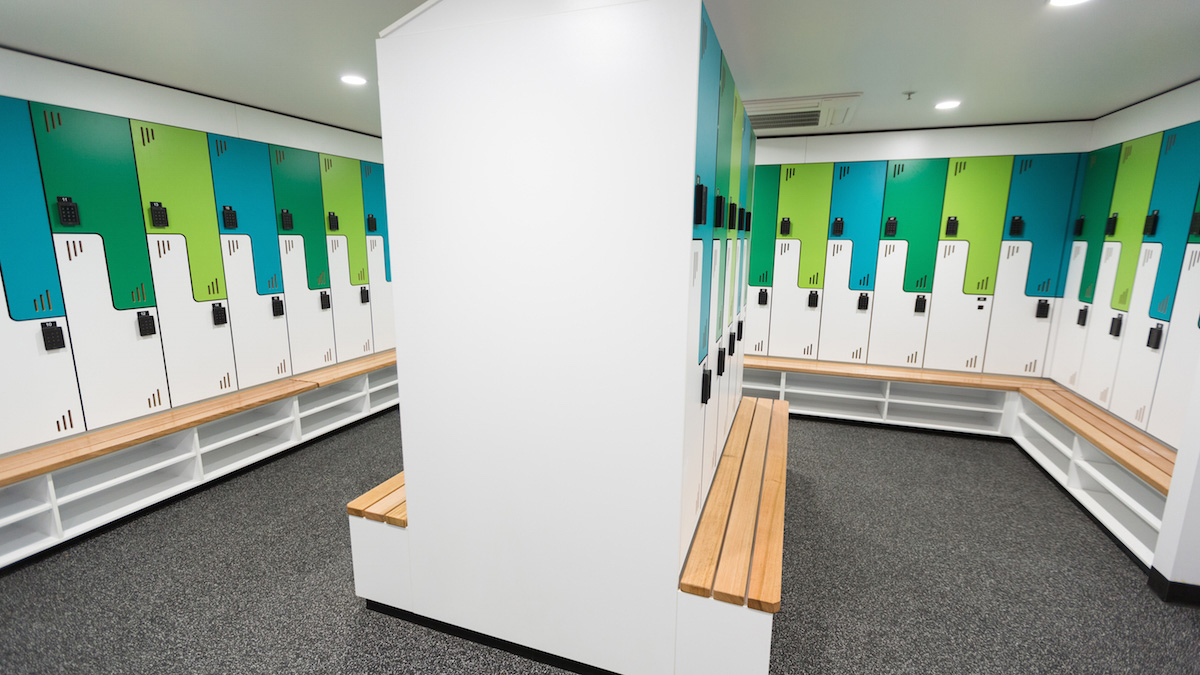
<point x="341" y="190"/>
<point x="763" y="224"/>
<point x="1130" y="204"/>
<point x="805" y="193"/>
<point x="174" y="171"/>
<point x="296" y="175"/>
<point x="977" y="195"/>
<point x="1098" y="182"/>
<point x="88" y="157"/>
<point x="913" y="195"/>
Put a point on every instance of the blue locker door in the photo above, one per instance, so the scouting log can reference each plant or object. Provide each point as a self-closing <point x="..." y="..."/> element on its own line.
<point x="707" y="113"/>
<point x="858" y="201"/>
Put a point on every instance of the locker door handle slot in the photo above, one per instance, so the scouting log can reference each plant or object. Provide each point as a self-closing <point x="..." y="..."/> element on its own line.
<point x="1110" y="225"/>
<point x="889" y="228"/>
<point x="952" y="226"/>
<point x="52" y="336"/>
<point x="719" y="213"/>
<point x="158" y="215"/>
<point x="813" y="298"/>
<point x="919" y="305"/>
<point x="863" y="301"/>
<point x="1151" y="228"/>
<point x="720" y="362"/>
<point x="326" y="301"/>
<point x="372" y="224"/>
<point x="277" y="306"/>
<point x="333" y="222"/>
<point x="839" y="226"/>
<point x="739" y="331"/>
<point x="145" y="324"/>
<point x="1043" y="309"/>
<point x="68" y="212"/>
<point x="785" y="227"/>
<point x="1154" y="341"/>
<point x="364" y="295"/>
<point x="705" y="386"/>
<point x="1082" y="320"/>
<point x="1017" y="227"/>
<point x="762" y="296"/>
<point x="1114" y="328"/>
<point x="229" y="218"/>
<point x="1079" y="227"/>
<point x="732" y="344"/>
<point x="700" y="208"/>
<point x="285" y="219"/>
<point x="220" y="316"/>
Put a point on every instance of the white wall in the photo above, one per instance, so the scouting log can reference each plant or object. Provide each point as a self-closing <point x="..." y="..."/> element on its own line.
<point x="46" y="81"/>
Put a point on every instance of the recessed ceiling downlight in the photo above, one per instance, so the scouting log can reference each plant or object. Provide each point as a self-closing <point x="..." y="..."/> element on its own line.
<point x="948" y="105"/>
<point x="1066" y="3"/>
<point x="354" y="79"/>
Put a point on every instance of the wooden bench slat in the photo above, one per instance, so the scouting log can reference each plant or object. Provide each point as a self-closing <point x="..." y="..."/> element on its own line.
<point x="397" y="516"/>
<point x="358" y="506"/>
<point x="896" y="374"/>
<point x="765" y="591"/>
<point x="324" y="377"/>
<point x="389" y="502"/>
<point x="701" y="566"/>
<point x="1122" y="432"/>
<point x="733" y="568"/>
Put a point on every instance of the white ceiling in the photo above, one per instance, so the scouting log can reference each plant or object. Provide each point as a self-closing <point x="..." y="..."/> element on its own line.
<point x="1008" y="60"/>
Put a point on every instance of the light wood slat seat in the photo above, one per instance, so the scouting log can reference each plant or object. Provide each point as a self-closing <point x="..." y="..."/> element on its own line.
<point x="737" y="551"/>
<point x="324" y="377"/>
<point x="895" y="374"/>
<point x="385" y="503"/>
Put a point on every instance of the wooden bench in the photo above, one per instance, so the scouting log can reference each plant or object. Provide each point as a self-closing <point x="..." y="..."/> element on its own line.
<point x="384" y="503"/>
<point x="737" y="551"/>
<point x="896" y="374"/>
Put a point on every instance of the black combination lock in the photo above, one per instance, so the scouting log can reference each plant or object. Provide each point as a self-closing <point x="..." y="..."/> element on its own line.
<point x="364" y="295"/>
<point x="785" y="227"/>
<point x="700" y="207"/>
<point x="814" y="298"/>
<point x="326" y="301"/>
<point x="68" y="212"/>
<point x="839" y="226"/>
<point x="889" y="228"/>
<point x="145" y="324"/>
<point x="762" y="296"/>
<point x="952" y="226"/>
<point x="229" y="218"/>
<point x="1043" y="309"/>
<point x="276" y="306"/>
<point x="52" y="336"/>
<point x="372" y="226"/>
<point x="285" y="220"/>
<point x="333" y="222"/>
<point x="220" y="316"/>
<point x="1017" y="227"/>
<point x="863" y="300"/>
<point x="158" y="215"/>
<point x="1151" y="228"/>
<point x="919" y="306"/>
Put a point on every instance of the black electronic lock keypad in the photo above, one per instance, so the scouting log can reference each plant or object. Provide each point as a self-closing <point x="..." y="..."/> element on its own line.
<point x="785" y="227"/>
<point x="333" y="222"/>
<point x="814" y="298"/>
<point x="1110" y="225"/>
<point x="1016" y="228"/>
<point x="364" y="294"/>
<point x="326" y="301"/>
<point x="720" y="362"/>
<point x="1043" y="309"/>
<point x="863" y="301"/>
<point x="1154" y="340"/>
<point x="919" y="305"/>
<point x="145" y="324"/>
<point x="1114" y="328"/>
<point x="739" y="331"/>
<point x="53" y="338"/>
<point x="719" y="213"/>
<point x="889" y="228"/>
<point x="838" y="227"/>
<point x="705" y="386"/>
<point x="1082" y="318"/>
<point x="741" y="219"/>
<point x="1151" y="227"/>
<point x="68" y="212"/>
<point x="952" y="226"/>
<point x="762" y="296"/>
<point x="158" y="215"/>
<point x="372" y="224"/>
<point x="220" y="316"/>
<point x="285" y="219"/>
<point x="748" y="219"/>
<point x="1079" y="222"/>
<point x="700" y="207"/>
<point x="276" y="306"/>
<point x="732" y="344"/>
<point x="229" y="218"/>
<point x="1195" y="229"/>
<point x="731" y="220"/>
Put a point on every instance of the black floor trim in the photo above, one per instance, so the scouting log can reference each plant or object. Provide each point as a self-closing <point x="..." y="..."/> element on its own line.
<point x="489" y="641"/>
<point x="1173" y="591"/>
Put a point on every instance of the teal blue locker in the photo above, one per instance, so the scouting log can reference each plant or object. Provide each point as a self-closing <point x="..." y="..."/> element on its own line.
<point x="858" y="202"/>
<point x="1040" y="196"/>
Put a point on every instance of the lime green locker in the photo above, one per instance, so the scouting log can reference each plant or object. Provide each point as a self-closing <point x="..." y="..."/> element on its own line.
<point x="91" y="186"/>
<point x="805" y="193"/>
<point x="346" y="238"/>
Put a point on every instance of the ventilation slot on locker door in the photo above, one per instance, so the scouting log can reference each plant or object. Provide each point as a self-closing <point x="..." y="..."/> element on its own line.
<point x="919" y="305"/>
<point x="277" y="306"/>
<point x="863" y="301"/>
<point x="220" y="316"/>
<point x="1114" y="329"/>
<point x="719" y="213"/>
<point x="285" y="219"/>
<point x="785" y="227"/>
<point x="739" y="331"/>
<point x="145" y="324"/>
<point x="52" y="336"/>
<point x="762" y="296"/>
<point x="813" y="298"/>
<point x="839" y="226"/>
<point x="1110" y="226"/>
<point x="1043" y="309"/>
<point x="1079" y="227"/>
<point x="333" y="222"/>
<point x="952" y="226"/>
<point x="326" y="301"/>
<point x="705" y="386"/>
<point x="372" y="225"/>
<point x="1154" y="341"/>
<point x="1017" y="227"/>
<point x="1151" y="228"/>
<point x="364" y="295"/>
<point x="700" y="207"/>
<point x="1082" y="320"/>
<point x="68" y="212"/>
<point x="720" y="362"/>
<point x="889" y="228"/>
<point x="158" y="215"/>
<point x="229" y="218"/>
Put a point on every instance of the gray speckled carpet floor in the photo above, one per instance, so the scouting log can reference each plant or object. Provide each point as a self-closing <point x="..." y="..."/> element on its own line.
<point x="906" y="552"/>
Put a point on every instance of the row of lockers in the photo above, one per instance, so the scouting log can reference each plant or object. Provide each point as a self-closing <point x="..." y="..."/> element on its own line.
<point x="1067" y="266"/>
<point x="145" y="266"/>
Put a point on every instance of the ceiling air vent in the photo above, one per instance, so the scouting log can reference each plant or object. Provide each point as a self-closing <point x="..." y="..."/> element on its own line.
<point x="805" y="114"/>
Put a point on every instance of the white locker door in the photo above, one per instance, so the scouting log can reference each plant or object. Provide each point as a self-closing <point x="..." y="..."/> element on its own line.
<point x="351" y="312"/>
<point x="260" y="339"/>
<point x="383" y="308"/>
<point x="692" y="495"/>
<point x="794" y="327"/>
<point x="958" y="323"/>
<point x="715" y="410"/>
<point x="1066" y="351"/>
<point x="310" y="327"/>
<point x="1102" y="349"/>
<point x="897" y="324"/>
<point x="1017" y="338"/>
<point x="121" y="374"/>
<point x="40" y="400"/>
<point x="1173" y="393"/>
<point x="1137" y="367"/>
<point x="845" y="326"/>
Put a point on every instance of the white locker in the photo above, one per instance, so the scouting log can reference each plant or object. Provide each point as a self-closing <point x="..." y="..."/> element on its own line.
<point x="1173" y="402"/>
<point x="260" y="338"/>
<point x="383" y="326"/>
<point x="1018" y="337"/>
<point x="694" y="469"/>
<point x="1137" y="368"/>
<point x="351" y="308"/>
<point x="1066" y="354"/>
<point x="1105" y="330"/>
<point x="845" y="324"/>
<point x="898" y="321"/>
<point x="795" y="326"/>
<point x="310" y="326"/>
<point x="958" y="323"/>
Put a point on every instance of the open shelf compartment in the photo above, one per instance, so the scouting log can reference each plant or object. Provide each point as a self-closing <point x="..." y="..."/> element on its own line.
<point x="835" y="386"/>
<point x="23" y="500"/>
<point x="329" y="396"/>
<point x="76" y="482"/>
<point x="233" y="456"/>
<point x="126" y="497"/>
<point x="942" y="396"/>
<point x="237" y="427"/>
